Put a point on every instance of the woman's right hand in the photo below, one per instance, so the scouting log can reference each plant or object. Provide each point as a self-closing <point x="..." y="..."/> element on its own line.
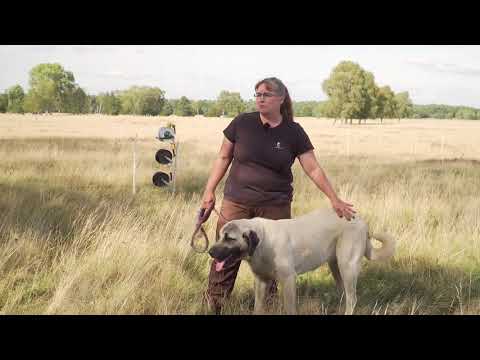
<point x="208" y="203"/>
<point x="208" y="200"/>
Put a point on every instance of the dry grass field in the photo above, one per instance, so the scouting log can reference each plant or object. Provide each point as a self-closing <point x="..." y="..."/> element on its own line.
<point x="74" y="240"/>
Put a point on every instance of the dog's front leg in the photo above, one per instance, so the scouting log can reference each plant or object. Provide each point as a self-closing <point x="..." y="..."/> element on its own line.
<point x="290" y="294"/>
<point x="260" y="295"/>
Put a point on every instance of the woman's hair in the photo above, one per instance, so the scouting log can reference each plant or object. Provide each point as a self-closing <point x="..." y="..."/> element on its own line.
<point x="276" y="85"/>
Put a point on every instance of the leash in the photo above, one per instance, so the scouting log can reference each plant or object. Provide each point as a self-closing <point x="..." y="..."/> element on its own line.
<point x="201" y="218"/>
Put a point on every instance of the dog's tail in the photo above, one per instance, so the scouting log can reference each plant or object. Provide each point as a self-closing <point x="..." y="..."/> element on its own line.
<point x="386" y="251"/>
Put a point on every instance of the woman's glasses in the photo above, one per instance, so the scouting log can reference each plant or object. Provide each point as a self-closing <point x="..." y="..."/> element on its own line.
<point x="264" y="95"/>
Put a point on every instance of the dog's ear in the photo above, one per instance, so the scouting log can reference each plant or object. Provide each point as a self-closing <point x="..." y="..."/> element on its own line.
<point x="225" y="229"/>
<point x="252" y="241"/>
<point x="229" y="226"/>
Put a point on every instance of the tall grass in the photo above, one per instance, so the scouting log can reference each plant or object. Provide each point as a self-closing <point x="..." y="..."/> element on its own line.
<point x="73" y="239"/>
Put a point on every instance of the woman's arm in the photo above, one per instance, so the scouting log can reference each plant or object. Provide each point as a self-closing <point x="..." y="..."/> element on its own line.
<point x="220" y="165"/>
<point x="317" y="175"/>
<point x="219" y="169"/>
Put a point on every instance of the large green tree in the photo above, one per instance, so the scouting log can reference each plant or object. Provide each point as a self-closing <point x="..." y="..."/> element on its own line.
<point x="142" y="100"/>
<point x="385" y="103"/>
<point x="303" y="108"/>
<point x="41" y="98"/>
<point x="183" y="107"/>
<point x="108" y="103"/>
<point x="370" y="94"/>
<point x="77" y="101"/>
<point x="214" y="110"/>
<point x="154" y="100"/>
<point x="403" y="105"/>
<point x="250" y="106"/>
<point x="201" y="107"/>
<point x="320" y="110"/>
<point x="92" y="104"/>
<point x="51" y="87"/>
<point x="3" y="102"/>
<point x="15" y="98"/>
<point x="467" y="113"/>
<point x="230" y="103"/>
<point x="168" y="109"/>
<point x="351" y="91"/>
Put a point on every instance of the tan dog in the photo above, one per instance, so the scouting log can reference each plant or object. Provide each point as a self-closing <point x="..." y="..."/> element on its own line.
<point x="283" y="249"/>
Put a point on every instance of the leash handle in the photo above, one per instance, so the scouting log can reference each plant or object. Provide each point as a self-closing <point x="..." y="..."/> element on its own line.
<point x="192" y="241"/>
<point x="203" y="215"/>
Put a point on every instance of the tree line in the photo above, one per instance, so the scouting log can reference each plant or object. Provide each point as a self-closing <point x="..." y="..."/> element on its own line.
<point x="316" y="109"/>
<point x="352" y="95"/>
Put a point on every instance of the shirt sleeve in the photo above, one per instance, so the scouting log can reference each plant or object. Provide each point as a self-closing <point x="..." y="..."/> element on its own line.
<point x="230" y="131"/>
<point x="303" y="142"/>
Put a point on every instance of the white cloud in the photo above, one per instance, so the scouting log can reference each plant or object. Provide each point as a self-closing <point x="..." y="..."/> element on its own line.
<point x="431" y="65"/>
<point x="447" y="74"/>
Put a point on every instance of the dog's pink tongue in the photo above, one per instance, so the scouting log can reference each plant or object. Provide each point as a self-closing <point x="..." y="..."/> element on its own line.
<point x="219" y="265"/>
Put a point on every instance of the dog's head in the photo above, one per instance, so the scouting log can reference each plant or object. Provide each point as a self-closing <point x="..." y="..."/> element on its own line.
<point x="237" y="240"/>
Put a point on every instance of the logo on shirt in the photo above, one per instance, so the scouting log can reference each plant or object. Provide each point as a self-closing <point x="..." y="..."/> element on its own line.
<point x="278" y="146"/>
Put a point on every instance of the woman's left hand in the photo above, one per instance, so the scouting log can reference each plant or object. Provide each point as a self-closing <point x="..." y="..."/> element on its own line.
<point x="343" y="209"/>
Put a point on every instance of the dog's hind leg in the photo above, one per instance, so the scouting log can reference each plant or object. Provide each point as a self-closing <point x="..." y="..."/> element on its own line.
<point x="290" y="294"/>
<point x="350" y="251"/>
<point x="349" y="272"/>
<point x="333" y="265"/>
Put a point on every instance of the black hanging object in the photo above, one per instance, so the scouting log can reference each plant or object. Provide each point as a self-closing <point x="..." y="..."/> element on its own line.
<point x="161" y="179"/>
<point x="164" y="156"/>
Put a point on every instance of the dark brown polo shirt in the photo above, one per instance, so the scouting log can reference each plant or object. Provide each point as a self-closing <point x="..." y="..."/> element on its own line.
<point x="262" y="159"/>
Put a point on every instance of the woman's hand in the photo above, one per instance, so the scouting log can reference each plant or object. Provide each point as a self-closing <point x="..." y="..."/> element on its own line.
<point x="208" y="203"/>
<point x="343" y="209"/>
<point x="315" y="172"/>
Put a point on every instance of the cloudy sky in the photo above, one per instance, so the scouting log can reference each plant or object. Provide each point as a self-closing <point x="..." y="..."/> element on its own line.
<point x="434" y="74"/>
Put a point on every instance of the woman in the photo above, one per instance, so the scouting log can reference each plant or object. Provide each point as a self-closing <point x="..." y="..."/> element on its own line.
<point x="263" y="146"/>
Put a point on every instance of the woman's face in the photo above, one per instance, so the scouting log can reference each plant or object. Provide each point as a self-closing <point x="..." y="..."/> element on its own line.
<point x="268" y="102"/>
